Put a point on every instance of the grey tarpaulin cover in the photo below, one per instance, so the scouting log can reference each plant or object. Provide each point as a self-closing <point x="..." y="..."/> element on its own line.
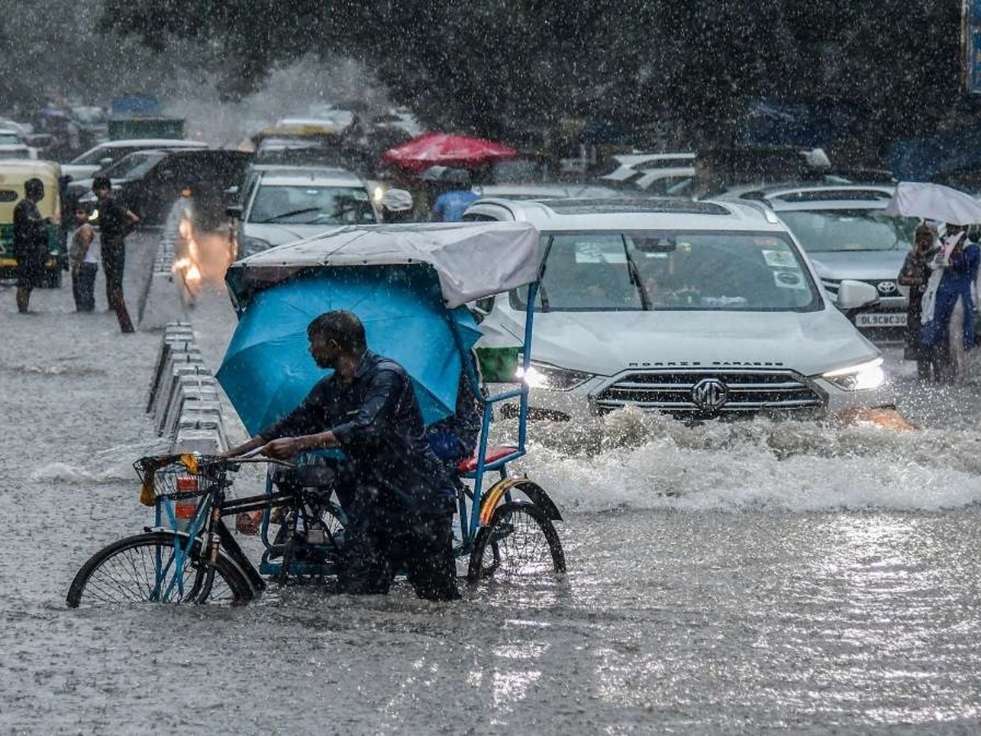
<point x="472" y="260"/>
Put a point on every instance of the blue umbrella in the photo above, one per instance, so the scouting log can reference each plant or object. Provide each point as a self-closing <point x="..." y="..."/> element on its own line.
<point x="268" y="370"/>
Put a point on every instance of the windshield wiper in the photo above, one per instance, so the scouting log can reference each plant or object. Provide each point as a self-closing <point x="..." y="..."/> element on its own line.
<point x="288" y="214"/>
<point x="645" y="299"/>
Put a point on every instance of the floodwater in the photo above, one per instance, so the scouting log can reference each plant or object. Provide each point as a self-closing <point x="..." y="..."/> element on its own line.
<point x="736" y="578"/>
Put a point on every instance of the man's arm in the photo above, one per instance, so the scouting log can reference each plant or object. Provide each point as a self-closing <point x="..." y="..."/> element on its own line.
<point x="370" y="421"/>
<point x="298" y="423"/>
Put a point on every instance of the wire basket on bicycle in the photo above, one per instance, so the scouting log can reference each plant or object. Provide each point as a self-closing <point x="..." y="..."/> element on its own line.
<point x="184" y="476"/>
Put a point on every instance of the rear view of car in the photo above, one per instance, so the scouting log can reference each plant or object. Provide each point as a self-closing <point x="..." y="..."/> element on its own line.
<point x="283" y="206"/>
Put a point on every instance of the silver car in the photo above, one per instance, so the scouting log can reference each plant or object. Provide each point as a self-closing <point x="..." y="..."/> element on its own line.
<point x="846" y="236"/>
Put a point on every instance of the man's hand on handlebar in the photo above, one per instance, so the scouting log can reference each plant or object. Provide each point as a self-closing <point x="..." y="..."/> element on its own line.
<point x="283" y="448"/>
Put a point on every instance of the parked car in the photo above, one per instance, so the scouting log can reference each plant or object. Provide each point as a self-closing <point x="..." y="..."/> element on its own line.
<point x="661" y="174"/>
<point x="106" y="154"/>
<point x="701" y="309"/>
<point x="283" y="204"/>
<point x="13" y="146"/>
<point x="844" y="232"/>
<point x="556" y="190"/>
<point x="148" y="182"/>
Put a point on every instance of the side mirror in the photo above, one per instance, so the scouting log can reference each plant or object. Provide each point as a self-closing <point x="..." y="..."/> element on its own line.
<point x="234" y="211"/>
<point x="855" y="295"/>
<point x="105" y="162"/>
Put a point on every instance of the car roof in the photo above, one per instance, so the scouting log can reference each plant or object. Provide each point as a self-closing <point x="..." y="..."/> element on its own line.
<point x="152" y="143"/>
<point x="836" y="197"/>
<point x="316" y="177"/>
<point x="640" y="213"/>
<point x="546" y="191"/>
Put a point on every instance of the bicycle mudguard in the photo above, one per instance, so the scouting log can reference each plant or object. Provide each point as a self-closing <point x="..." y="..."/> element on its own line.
<point x="534" y="492"/>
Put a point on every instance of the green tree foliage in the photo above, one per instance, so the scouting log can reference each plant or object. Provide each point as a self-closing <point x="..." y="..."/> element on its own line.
<point x="502" y="67"/>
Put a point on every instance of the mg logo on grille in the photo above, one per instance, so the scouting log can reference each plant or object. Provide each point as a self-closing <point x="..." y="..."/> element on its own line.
<point x="887" y="287"/>
<point x="709" y="394"/>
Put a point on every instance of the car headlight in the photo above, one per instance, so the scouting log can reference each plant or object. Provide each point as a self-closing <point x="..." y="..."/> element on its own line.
<point x="860" y="377"/>
<point x="251" y="246"/>
<point x="540" y="375"/>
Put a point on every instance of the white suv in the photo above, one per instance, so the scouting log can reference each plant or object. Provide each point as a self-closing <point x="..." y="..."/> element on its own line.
<point x="689" y="308"/>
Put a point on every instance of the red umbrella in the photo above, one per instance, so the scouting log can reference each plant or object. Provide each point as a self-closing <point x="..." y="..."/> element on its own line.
<point x="442" y="149"/>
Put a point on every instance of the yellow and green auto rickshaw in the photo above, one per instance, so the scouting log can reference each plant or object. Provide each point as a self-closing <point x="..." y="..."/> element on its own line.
<point x="13" y="175"/>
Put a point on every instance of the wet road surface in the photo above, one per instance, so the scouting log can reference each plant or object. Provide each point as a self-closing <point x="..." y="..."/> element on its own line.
<point x="742" y="578"/>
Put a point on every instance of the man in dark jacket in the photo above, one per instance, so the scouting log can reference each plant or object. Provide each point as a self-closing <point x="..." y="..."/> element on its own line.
<point x="30" y="242"/>
<point x="401" y="504"/>
<point x="115" y="223"/>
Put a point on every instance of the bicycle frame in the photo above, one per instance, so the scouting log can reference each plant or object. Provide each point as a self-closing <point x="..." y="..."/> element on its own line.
<point x="469" y="528"/>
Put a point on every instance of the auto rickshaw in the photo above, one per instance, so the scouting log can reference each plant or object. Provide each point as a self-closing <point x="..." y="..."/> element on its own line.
<point x="13" y="175"/>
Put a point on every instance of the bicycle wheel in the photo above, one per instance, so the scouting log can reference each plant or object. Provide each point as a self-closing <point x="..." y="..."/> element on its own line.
<point x="526" y="544"/>
<point x="144" y="568"/>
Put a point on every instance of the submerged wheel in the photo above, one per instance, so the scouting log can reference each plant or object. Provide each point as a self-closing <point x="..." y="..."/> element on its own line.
<point x="143" y="568"/>
<point x="519" y="541"/>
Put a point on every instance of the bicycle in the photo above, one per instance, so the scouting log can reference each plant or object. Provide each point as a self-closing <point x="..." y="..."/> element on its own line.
<point x="194" y="557"/>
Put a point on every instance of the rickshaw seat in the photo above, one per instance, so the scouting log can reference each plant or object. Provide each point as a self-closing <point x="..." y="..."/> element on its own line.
<point x="493" y="453"/>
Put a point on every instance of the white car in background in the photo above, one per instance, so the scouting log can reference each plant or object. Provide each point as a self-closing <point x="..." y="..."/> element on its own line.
<point x="12" y="146"/>
<point x="104" y="155"/>
<point x="846" y="236"/>
<point x="283" y="204"/>
<point x="699" y="309"/>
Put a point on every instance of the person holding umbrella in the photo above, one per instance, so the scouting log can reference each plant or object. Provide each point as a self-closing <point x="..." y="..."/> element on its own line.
<point x="914" y="275"/>
<point x="400" y="503"/>
<point x="456" y="195"/>
<point x="950" y="303"/>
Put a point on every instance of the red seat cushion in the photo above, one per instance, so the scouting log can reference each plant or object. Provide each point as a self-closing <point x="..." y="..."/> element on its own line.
<point x="493" y="453"/>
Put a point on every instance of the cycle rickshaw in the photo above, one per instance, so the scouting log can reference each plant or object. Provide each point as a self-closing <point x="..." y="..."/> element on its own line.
<point x="409" y="284"/>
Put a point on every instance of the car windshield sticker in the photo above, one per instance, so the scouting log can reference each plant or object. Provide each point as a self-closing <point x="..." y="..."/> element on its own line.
<point x="779" y="259"/>
<point x="600" y="252"/>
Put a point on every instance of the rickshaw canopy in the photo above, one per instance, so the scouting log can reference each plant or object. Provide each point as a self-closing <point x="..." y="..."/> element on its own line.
<point x="471" y="260"/>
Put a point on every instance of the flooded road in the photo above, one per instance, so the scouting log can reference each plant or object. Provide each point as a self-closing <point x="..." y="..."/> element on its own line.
<point x="735" y="578"/>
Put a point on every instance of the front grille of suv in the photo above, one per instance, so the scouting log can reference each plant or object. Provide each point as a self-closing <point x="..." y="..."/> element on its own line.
<point x="673" y="391"/>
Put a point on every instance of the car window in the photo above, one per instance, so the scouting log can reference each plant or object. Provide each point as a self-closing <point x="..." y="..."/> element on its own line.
<point x="311" y="205"/>
<point x="476" y="217"/>
<point x="9" y="139"/>
<point x="133" y="166"/>
<point x="661" y="270"/>
<point x="849" y="230"/>
<point x="91" y="158"/>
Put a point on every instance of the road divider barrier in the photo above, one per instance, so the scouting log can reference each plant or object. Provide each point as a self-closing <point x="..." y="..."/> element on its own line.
<point x="184" y="401"/>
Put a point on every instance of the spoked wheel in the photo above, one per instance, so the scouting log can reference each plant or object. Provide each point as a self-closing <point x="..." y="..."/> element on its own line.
<point x="148" y="568"/>
<point x="520" y="541"/>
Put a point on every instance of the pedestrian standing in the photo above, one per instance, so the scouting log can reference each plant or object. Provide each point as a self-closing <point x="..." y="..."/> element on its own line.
<point x="30" y="242"/>
<point x="456" y="196"/>
<point x="83" y="255"/>
<point x="949" y="303"/>
<point x="915" y="274"/>
<point x="115" y="223"/>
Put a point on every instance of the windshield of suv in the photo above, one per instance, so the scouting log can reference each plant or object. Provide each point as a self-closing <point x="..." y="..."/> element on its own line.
<point x="133" y="166"/>
<point x="669" y="270"/>
<point x="848" y="230"/>
<point x="311" y="205"/>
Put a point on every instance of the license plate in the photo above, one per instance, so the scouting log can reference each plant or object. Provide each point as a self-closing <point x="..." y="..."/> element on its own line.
<point x="895" y="319"/>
